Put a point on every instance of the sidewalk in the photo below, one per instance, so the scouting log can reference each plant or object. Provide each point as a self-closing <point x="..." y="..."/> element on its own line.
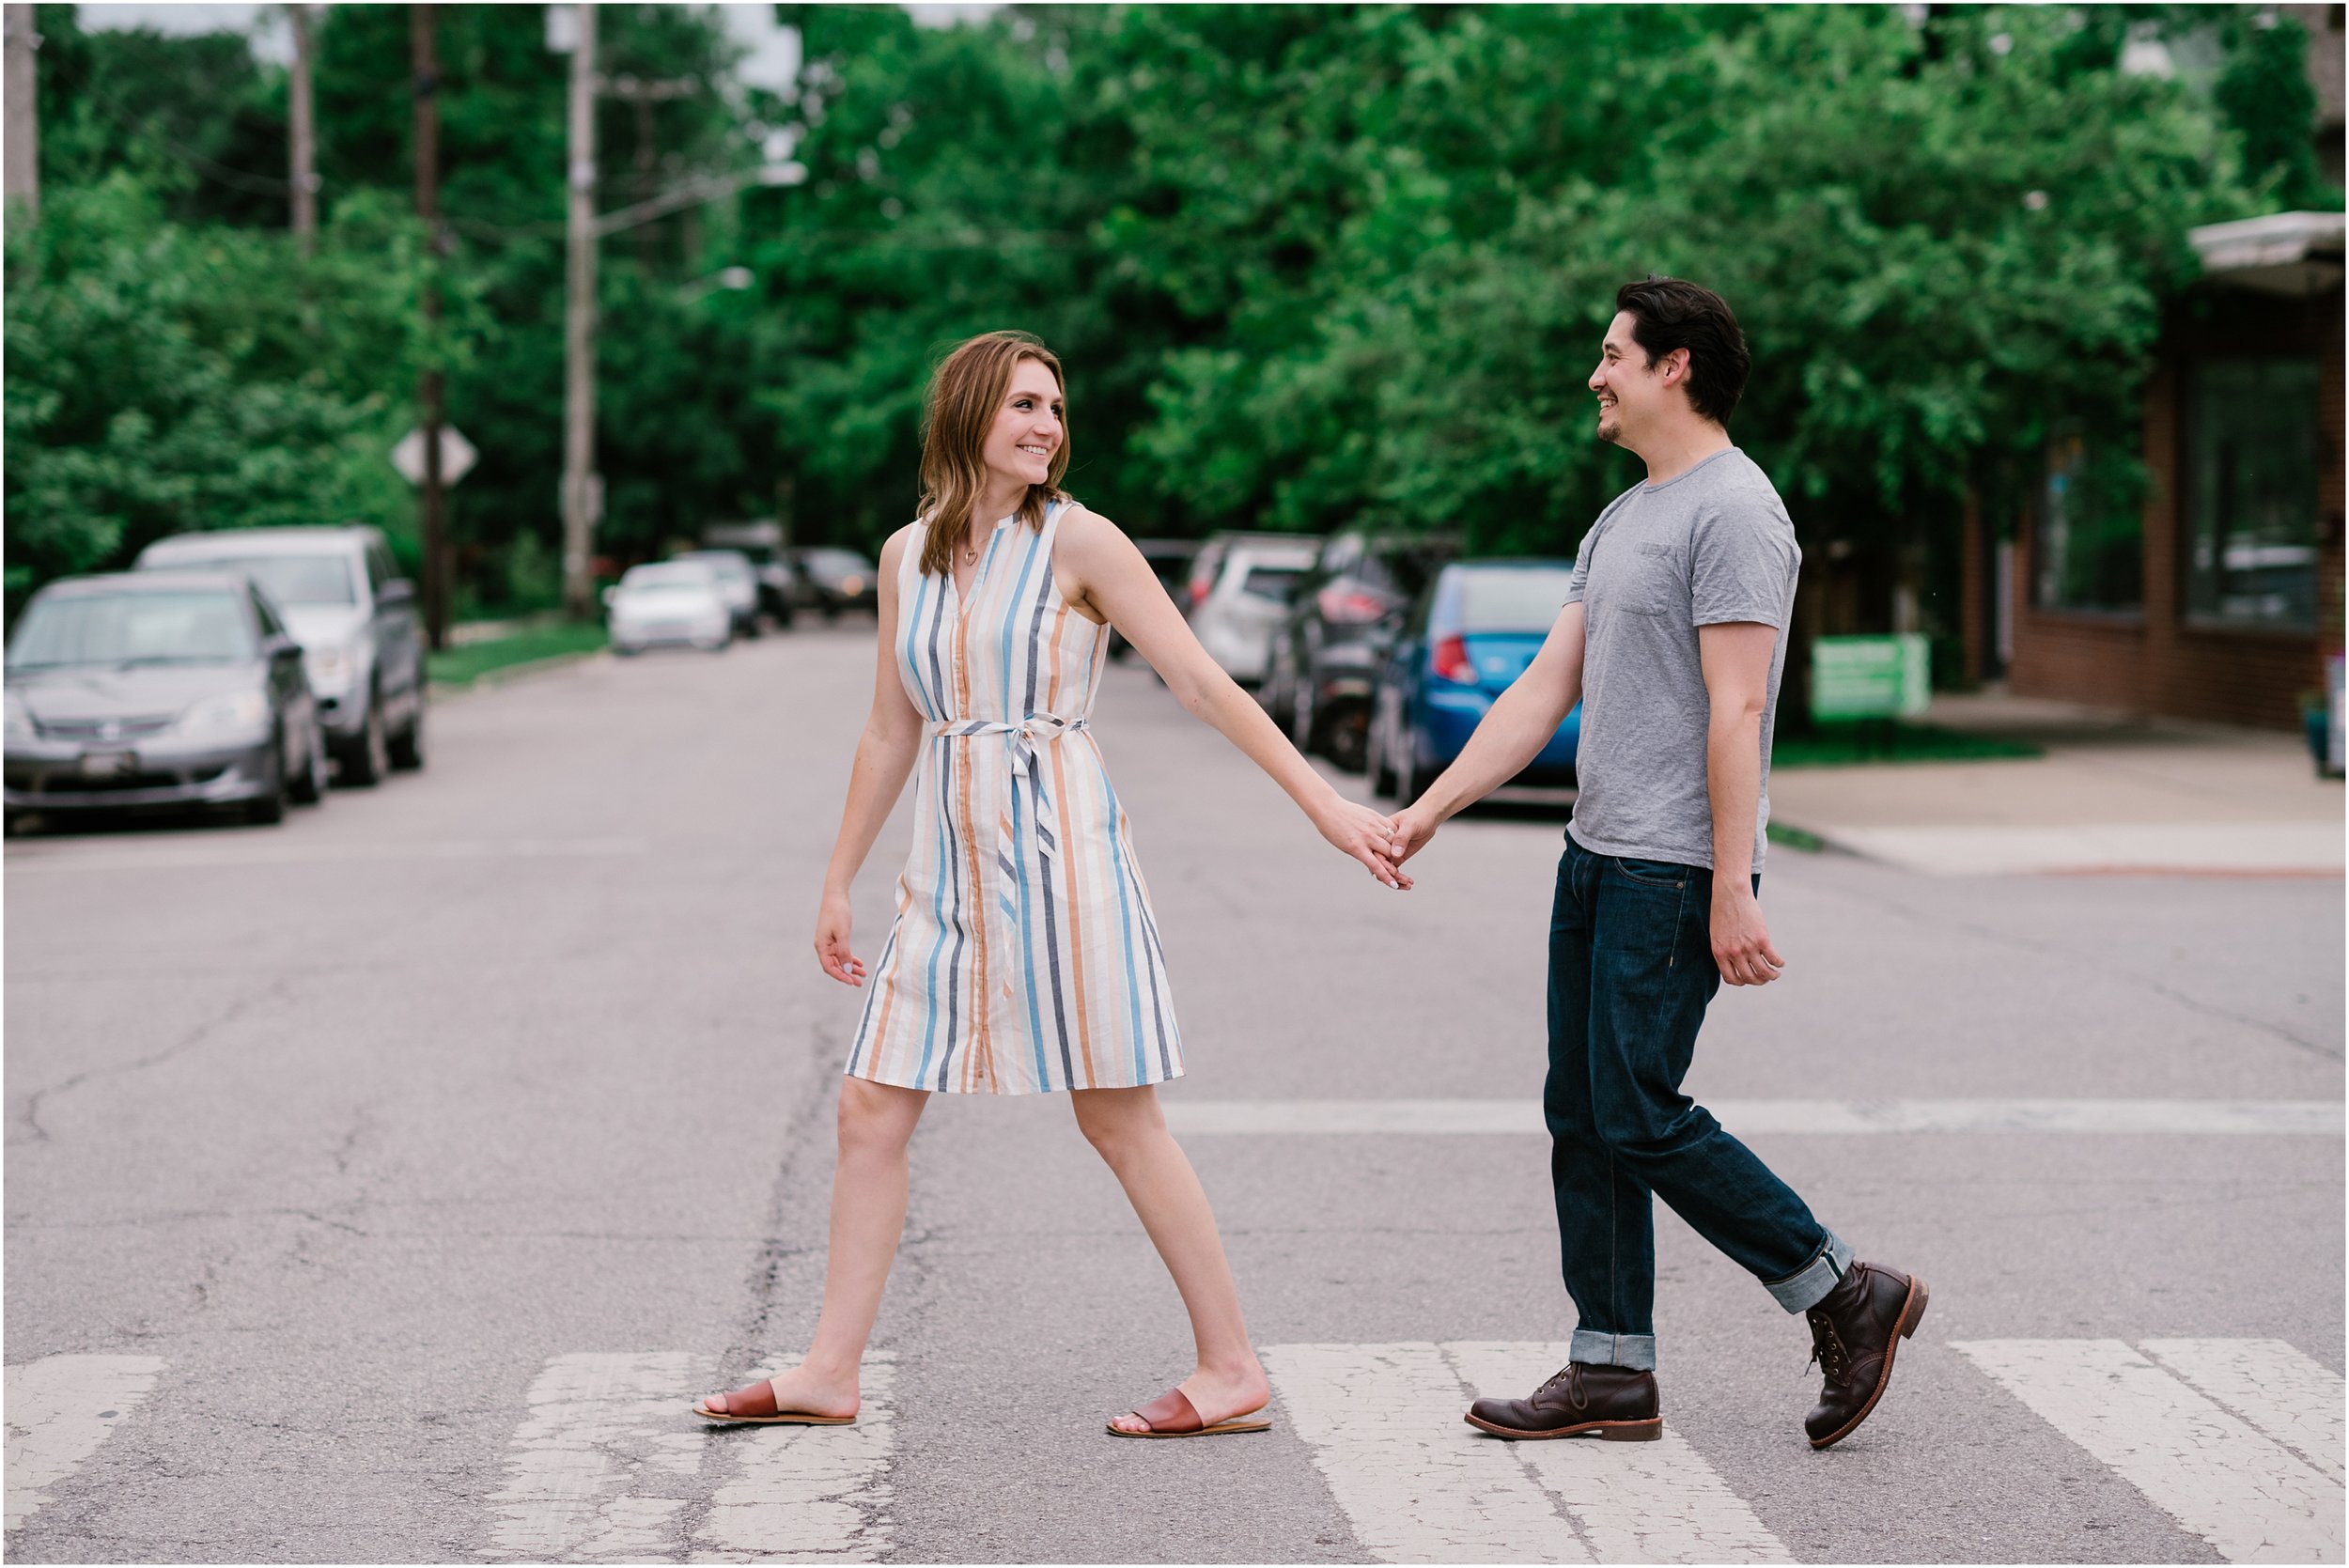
<point x="2113" y="792"/>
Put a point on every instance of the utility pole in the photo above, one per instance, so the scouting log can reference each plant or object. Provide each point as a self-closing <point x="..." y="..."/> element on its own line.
<point x="428" y="84"/>
<point x="583" y="489"/>
<point x="22" y="91"/>
<point x="304" y="181"/>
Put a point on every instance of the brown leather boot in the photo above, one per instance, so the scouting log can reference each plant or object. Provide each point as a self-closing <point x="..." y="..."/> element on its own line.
<point x="1617" y="1403"/>
<point x="1854" y="1331"/>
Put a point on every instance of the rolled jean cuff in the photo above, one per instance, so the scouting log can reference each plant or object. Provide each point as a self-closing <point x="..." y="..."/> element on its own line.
<point x="1809" y="1286"/>
<point x="1594" y="1349"/>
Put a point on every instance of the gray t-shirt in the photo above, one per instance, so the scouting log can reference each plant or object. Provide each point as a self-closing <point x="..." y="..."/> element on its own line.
<point x="1711" y="545"/>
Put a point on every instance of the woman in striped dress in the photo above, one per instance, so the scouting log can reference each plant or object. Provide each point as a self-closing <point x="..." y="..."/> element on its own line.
<point x="1024" y="957"/>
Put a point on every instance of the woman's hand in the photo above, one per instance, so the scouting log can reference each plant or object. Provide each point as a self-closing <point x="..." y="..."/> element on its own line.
<point x="833" y="920"/>
<point x="1362" y="832"/>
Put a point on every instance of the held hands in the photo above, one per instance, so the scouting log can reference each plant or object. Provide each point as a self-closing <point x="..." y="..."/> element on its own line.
<point x="1741" y="940"/>
<point x="1362" y="833"/>
<point x="833" y="920"/>
<point x="1413" y="827"/>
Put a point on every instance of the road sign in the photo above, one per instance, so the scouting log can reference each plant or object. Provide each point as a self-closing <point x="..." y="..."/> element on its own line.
<point x="1870" y="677"/>
<point x="457" y="456"/>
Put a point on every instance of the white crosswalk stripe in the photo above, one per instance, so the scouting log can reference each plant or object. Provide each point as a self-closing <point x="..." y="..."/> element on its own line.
<point x="60" y="1408"/>
<point x="607" y="1459"/>
<point x="1829" y="1118"/>
<point x="2230" y="1468"/>
<point x="611" y="1462"/>
<point x="807" y="1494"/>
<point x="1417" y="1484"/>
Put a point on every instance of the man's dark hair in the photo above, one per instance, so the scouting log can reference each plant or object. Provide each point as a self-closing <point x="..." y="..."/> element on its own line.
<point x="1672" y="313"/>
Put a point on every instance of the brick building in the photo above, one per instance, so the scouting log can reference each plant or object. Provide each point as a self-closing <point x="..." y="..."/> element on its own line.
<point x="2219" y="597"/>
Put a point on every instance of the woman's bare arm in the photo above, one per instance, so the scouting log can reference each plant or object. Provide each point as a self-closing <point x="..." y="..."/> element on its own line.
<point x="892" y="736"/>
<point x="1102" y="573"/>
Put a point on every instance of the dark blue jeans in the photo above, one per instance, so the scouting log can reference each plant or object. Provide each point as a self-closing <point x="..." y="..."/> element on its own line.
<point x="1630" y="972"/>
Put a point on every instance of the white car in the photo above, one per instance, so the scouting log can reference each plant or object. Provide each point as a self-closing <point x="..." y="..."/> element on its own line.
<point x="673" y="602"/>
<point x="1244" y="605"/>
<point x="736" y="579"/>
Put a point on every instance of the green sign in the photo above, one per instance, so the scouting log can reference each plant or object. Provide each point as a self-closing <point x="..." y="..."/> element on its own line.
<point x="1868" y="677"/>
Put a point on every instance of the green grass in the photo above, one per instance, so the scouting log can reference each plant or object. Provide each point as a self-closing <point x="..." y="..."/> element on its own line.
<point x="1794" y="838"/>
<point x="462" y="666"/>
<point x="1845" y="745"/>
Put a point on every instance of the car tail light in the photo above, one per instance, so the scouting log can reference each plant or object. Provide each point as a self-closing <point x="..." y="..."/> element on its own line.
<point x="1452" y="661"/>
<point x="1199" y="586"/>
<point x="1349" y="606"/>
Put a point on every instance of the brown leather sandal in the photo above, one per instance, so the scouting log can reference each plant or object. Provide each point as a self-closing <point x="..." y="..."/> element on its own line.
<point x="1172" y="1415"/>
<point x="754" y="1404"/>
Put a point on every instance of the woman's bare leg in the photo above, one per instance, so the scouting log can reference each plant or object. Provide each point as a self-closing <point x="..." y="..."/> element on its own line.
<point x="868" y="1216"/>
<point x="1127" y="1128"/>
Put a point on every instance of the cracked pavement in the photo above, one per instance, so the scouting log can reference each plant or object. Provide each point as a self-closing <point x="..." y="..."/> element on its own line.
<point x="360" y="1124"/>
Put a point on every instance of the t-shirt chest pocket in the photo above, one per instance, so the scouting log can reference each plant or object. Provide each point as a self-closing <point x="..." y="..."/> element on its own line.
<point x="1647" y="579"/>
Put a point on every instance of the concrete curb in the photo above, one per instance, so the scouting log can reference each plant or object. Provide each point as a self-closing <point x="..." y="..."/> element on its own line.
<point x="505" y="675"/>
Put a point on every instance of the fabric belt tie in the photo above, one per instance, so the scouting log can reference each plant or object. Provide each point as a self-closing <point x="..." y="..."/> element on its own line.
<point x="1024" y="734"/>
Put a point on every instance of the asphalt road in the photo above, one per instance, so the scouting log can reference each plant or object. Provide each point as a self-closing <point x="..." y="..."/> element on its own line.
<point x="379" y="1186"/>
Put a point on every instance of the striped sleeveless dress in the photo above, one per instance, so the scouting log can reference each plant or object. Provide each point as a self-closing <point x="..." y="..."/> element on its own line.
<point x="1024" y="957"/>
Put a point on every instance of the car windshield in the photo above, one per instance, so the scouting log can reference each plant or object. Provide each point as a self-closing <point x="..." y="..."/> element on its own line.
<point x="836" y="563"/>
<point x="199" y="626"/>
<point x="666" y="579"/>
<point x="1516" y="600"/>
<point x="286" y="579"/>
<point x="1277" y="584"/>
<point x="725" y="565"/>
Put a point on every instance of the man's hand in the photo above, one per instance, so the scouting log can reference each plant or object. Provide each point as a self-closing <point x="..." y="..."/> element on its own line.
<point x="1413" y="827"/>
<point x="1741" y="939"/>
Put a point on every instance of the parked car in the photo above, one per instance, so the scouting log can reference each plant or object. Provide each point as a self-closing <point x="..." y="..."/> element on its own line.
<point x="738" y="581"/>
<point x="671" y="602"/>
<point x="1470" y="634"/>
<point x="355" y="617"/>
<point x="839" y="580"/>
<point x="1236" y="610"/>
<point x="1170" y="560"/>
<point x="1326" y="656"/>
<point x="781" y="591"/>
<point x="155" y="688"/>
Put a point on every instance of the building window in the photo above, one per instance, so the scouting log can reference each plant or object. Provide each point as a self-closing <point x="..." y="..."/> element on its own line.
<point x="2251" y="468"/>
<point x="2091" y="549"/>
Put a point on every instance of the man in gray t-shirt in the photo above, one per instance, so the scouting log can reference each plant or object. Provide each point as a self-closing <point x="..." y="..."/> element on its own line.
<point x="1711" y="546"/>
<point x="1673" y="639"/>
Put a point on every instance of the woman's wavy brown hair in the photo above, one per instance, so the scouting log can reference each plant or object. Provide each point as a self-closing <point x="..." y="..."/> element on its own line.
<point x="965" y="395"/>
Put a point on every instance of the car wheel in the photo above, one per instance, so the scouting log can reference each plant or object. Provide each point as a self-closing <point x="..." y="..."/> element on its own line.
<point x="1346" y="737"/>
<point x="406" y="748"/>
<point x="365" y="763"/>
<point x="16" y="820"/>
<point x="308" y="786"/>
<point x="268" y="807"/>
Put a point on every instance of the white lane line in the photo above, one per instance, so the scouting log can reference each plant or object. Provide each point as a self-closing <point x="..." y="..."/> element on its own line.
<point x="2248" y="1496"/>
<point x="606" y="1460"/>
<point x="1637" y="1502"/>
<point x="59" y="1410"/>
<point x="179" y="858"/>
<point x="1832" y="1117"/>
<point x="2277" y="1390"/>
<point x="806" y="1494"/>
<point x="1417" y="1485"/>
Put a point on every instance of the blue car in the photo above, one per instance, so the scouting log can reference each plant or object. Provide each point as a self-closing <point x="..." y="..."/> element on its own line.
<point x="1472" y="633"/>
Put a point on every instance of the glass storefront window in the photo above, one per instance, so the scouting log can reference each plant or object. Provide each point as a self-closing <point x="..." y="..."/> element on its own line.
<point x="2090" y="545"/>
<point x="2251" y="514"/>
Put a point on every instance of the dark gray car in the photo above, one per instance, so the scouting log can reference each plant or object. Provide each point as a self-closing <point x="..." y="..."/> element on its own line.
<point x="158" y="689"/>
<point x="355" y="617"/>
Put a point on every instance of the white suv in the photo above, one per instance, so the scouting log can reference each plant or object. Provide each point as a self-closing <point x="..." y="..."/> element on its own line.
<point x="345" y="601"/>
<point x="1247" y="600"/>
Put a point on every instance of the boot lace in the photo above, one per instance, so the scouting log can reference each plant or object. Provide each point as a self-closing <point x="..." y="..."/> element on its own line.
<point x="1827" y="1348"/>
